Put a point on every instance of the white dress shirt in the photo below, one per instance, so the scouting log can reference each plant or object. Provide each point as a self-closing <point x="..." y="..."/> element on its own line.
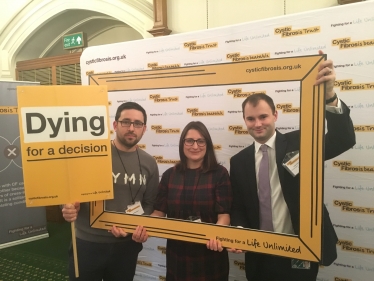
<point x="281" y="215"/>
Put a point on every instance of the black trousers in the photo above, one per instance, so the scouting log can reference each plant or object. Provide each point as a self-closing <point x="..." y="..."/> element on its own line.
<point x="105" y="261"/>
<point x="261" y="267"/>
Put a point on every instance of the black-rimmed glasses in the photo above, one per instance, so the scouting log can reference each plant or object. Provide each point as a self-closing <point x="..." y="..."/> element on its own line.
<point x="127" y="123"/>
<point x="191" y="142"/>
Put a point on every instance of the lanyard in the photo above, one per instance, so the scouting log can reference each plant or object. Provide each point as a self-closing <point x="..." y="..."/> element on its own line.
<point x="141" y="173"/>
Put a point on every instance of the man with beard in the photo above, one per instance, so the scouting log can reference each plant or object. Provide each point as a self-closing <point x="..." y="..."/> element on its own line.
<point x="111" y="255"/>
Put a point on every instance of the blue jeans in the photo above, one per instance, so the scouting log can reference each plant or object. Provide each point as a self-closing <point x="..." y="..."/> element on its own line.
<point x="105" y="261"/>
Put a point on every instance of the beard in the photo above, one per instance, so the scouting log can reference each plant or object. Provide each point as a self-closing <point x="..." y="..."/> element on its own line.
<point x="128" y="143"/>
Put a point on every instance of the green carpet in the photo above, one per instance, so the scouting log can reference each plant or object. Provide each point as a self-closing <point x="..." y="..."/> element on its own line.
<point x="44" y="259"/>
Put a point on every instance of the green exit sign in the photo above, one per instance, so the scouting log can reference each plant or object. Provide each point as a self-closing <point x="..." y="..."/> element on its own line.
<point x="73" y="41"/>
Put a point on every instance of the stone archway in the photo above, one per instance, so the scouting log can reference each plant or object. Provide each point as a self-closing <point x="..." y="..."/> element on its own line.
<point x="136" y="14"/>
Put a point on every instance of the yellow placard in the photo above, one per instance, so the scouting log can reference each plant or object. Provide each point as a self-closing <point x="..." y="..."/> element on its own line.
<point x="307" y="245"/>
<point x="65" y="144"/>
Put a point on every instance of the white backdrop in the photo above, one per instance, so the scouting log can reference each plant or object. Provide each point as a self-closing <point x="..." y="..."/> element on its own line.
<point x="344" y="33"/>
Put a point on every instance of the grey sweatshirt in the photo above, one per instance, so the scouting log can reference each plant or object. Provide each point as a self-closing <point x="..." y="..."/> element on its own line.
<point x="143" y="186"/>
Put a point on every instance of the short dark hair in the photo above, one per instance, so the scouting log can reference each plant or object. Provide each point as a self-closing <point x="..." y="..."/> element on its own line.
<point x="130" y="105"/>
<point x="210" y="160"/>
<point x="255" y="98"/>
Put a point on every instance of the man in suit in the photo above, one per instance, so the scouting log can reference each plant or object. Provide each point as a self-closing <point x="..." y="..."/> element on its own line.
<point x="282" y="202"/>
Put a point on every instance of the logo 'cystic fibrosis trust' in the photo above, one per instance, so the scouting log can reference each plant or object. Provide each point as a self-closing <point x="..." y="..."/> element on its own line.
<point x="346" y="43"/>
<point x="346" y="166"/>
<point x="287" y="31"/>
<point x="144" y="263"/>
<point x="287" y="108"/>
<point x="8" y="110"/>
<point x="217" y="146"/>
<point x="160" y="160"/>
<point x="142" y="146"/>
<point x="238" y="93"/>
<point x="238" y="130"/>
<point x="347" y="85"/>
<point x="347" y="245"/>
<point x="341" y="279"/>
<point x="162" y="249"/>
<point x="155" y="66"/>
<point x="347" y="206"/>
<point x="237" y="57"/>
<point x="196" y="113"/>
<point x="159" y="130"/>
<point x="363" y="128"/>
<point x="157" y="98"/>
<point x="193" y="46"/>
<point x="240" y="264"/>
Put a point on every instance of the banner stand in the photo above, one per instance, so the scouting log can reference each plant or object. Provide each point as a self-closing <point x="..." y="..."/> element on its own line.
<point x="26" y="240"/>
<point x="18" y="223"/>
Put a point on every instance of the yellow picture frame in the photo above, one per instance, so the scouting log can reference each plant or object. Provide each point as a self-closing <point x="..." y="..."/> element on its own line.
<point x="307" y="245"/>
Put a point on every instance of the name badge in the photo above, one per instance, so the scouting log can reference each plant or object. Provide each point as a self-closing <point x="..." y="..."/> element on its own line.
<point x="292" y="162"/>
<point x="194" y="218"/>
<point x="300" y="264"/>
<point x="135" y="209"/>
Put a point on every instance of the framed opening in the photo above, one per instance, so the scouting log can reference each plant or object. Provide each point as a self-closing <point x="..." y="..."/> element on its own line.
<point x="302" y="70"/>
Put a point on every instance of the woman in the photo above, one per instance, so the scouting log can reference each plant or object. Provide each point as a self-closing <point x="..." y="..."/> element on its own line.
<point x="197" y="188"/>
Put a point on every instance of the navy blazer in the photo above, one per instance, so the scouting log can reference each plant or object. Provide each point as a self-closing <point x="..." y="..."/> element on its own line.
<point x="245" y="208"/>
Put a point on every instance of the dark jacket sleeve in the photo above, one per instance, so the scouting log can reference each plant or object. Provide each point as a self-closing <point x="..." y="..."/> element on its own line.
<point x="238" y="210"/>
<point x="340" y="134"/>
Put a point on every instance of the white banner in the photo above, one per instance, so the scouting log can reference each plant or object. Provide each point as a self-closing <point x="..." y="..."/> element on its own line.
<point x="344" y="33"/>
